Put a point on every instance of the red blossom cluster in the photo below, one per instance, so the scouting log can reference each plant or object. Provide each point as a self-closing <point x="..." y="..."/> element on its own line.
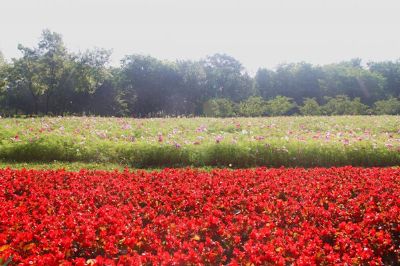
<point x="341" y="216"/>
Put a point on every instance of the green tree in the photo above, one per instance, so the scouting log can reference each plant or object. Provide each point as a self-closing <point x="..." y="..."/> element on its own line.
<point x="391" y="72"/>
<point x="3" y="61"/>
<point x="280" y="105"/>
<point x="49" y="79"/>
<point x="88" y="72"/>
<point x="91" y="69"/>
<point x="343" y="105"/>
<point x="55" y="66"/>
<point x="219" y="107"/>
<point x="3" y="81"/>
<point x="253" y="106"/>
<point x="295" y="80"/>
<point x="310" y="107"/>
<point x="146" y="83"/>
<point x="390" y="106"/>
<point x="227" y="78"/>
<point x="265" y="83"/>
<point x="3" y="67"/>
<point x="106" y="100"/>
<point x="349" y="78"/>
<point x="24" y="88"/>
<point x="191" y="91"/>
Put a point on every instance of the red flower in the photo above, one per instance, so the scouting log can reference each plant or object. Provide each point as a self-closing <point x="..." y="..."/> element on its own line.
<point x="252" y="216"/>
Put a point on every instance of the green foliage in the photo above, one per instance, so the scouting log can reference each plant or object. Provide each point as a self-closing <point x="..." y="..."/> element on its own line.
<point x="310" y="107"/>
<point x="342" y="105"/>
<point x="2" y="60"/>
<point x="226" y="78"/>
<point x="350" y="79"/>
<point x="49" y="79"/>
<point x="6" y="262"/>
<point x="230" y="142"/>
<point x="253" y="106"/>
<point x="192" y="92"/>
<point x="70" y="166"/>
<point x="297" y="81"/>
<point x="390" y="106"/>
<point x="390" y="71"/>
<point x="280" y="105"/>
<point x="146" y="83"/>
<point x="219" y="107"/>
<point x="90" y="70"/>
<point x="265" y="83"/>
<point x="3" y="69"/>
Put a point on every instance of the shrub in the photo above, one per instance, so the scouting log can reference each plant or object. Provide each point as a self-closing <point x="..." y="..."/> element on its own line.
<point x="280" y="105"/>
<point x="219" y="107"/>
<point x="343" y="105"/>
<point x="253" y="106"/>
<point x="310" y="107"/>
<point x="390" y="106"/>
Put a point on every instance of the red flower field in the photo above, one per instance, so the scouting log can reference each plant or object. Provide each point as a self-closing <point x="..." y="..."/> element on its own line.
<point x="319" y="216"/>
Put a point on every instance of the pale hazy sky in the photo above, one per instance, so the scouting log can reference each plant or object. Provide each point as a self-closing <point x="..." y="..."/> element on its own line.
<point x="258" y="33"/>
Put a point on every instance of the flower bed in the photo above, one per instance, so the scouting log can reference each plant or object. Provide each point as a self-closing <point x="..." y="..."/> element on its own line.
<point x="241" y="217"/>
<point x="367" y="141"/>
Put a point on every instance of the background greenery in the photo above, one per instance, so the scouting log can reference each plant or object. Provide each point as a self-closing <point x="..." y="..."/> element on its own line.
<point x="50" y="80"/>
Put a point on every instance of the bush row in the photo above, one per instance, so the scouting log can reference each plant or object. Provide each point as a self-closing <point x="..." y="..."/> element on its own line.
<point x="245" y="154"/>
<point x="256" y="106"/>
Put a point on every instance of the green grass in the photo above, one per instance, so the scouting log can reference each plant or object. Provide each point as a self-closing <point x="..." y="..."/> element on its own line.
<point x="70" y="166"/>
<point x="109" y="143"/>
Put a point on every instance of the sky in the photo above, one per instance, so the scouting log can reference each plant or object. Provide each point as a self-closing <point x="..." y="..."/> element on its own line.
<point x="257" y="33"/>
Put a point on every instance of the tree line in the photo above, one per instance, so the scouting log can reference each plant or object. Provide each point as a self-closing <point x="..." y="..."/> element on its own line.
<point x="50" y="80"/>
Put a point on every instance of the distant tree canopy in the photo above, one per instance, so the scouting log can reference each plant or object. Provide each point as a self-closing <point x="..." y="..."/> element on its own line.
<point x="50" y="80"/>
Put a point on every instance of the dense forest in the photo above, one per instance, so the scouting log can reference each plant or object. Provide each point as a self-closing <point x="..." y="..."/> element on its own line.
<point x="50" y="80"/>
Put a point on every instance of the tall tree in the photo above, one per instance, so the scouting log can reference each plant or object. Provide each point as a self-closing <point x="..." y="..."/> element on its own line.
<point x="2" y="60"/>
<point x="89" y="72"/>
<point x="265" y="83"/>
<point x="191" y="93"/>
<point x="24" y="81"/>
<point x="3" y="66"/>
<point x="53" y="57"/>
<point x="3" y="81"/>
<point x="390" y="70"/>
<point x="227" y="78"/>
<point x="298" y="81"/>
<point x="107" y="99"/>
<point x="145" y="84"/>
<point x="349" y="78"/>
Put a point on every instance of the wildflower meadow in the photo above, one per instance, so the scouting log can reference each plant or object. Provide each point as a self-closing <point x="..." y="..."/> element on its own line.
<point x="203" y="142"/>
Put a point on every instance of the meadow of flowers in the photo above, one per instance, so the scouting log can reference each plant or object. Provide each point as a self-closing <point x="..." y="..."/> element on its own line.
<point x="281" y="216"/>
<point x="231" y="142"/>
